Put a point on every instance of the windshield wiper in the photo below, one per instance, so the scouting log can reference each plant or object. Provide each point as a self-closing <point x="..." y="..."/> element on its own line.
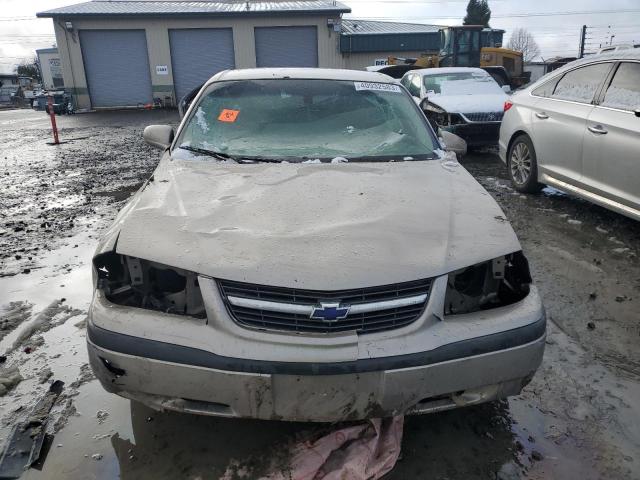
<point x="262" y="159"/>
<point x="226" y="156"/>
<point x="210" y="153"/>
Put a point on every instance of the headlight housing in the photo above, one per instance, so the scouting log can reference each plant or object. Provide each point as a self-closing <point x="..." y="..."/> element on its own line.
<point x="134" y="282"/>
<point x="456" y="119"/>
<point x="436" y="115"/>
<point x="502" y="281"/>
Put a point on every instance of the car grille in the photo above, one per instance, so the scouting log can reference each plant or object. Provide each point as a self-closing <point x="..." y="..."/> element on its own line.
<point x="484" y="116"/>
<point x="362" y="298"/>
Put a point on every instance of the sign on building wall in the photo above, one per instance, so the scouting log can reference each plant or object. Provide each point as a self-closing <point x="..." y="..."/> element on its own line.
<point x="56" y="72"/>
<point x="162" y="70"/>
<point x="381" y="61"/>
<point x="54" y="66"/>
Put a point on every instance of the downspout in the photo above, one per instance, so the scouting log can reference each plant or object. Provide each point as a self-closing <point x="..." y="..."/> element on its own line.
<point x="66" y="39"/>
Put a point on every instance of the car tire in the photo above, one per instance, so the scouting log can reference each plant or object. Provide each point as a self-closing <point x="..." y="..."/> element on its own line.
<point x="522" y="164"/>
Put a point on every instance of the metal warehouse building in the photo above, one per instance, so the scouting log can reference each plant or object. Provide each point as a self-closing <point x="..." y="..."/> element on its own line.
<point x="118" y="53"/>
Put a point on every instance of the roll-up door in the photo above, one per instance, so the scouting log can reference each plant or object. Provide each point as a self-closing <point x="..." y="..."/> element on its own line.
<point x="197" y="54"/>
<point x="116" y="65"/>
<point x="286" y="46"/>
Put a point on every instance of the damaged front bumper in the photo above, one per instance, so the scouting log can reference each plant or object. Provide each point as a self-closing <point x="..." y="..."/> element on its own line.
<point x="177" y="377"/>
<point x="476" y="134"/>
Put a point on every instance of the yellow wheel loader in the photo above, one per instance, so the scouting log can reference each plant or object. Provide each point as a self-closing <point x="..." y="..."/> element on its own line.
<point x="462" y="46"/>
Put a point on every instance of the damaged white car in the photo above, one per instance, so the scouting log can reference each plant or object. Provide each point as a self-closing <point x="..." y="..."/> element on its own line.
<point x="305" y="251"/>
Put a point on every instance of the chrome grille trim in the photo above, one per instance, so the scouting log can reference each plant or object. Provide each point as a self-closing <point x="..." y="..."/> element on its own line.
<point x="370" y="309"/>
<point x="308" y="309"/>
<point x="484" y="117"/>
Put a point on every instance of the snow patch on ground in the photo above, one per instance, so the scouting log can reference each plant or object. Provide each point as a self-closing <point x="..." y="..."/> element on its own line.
<point x="9" y="378"/>
<point x="53" y="315"/>
<point x="13" y="315"/>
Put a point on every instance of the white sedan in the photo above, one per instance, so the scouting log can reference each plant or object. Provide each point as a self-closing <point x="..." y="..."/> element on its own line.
<point x="467" y="102"/>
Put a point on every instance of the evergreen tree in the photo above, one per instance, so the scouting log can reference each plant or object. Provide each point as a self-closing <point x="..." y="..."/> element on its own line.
<point x="29" y="68"/>
<point x="478" y="13"/>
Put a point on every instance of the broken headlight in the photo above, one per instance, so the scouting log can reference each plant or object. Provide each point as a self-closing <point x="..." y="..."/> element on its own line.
<point x="456" y="119"/>
<point x="496" y="283"/>
<point x="134" y="282"/>
<point x="436" y="115"/>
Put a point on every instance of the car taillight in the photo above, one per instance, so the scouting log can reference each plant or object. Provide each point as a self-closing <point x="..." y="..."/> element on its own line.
<point x="507" y="105"/>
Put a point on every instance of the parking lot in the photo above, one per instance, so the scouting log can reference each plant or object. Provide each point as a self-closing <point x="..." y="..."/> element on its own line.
<point x="579" y="417"/>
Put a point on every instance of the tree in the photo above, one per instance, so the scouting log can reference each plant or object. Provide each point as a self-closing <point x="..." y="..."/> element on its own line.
<point x="29" y="68"/>
<point x="521" y="40"/>
<point x="478" y="13"/>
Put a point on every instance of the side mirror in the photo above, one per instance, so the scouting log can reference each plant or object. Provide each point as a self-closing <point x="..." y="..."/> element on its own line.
<point x="506" y="88"/>
<point x="453" y="143"/>
<point x="637" y="112"/>
<point x="159" y="136"/>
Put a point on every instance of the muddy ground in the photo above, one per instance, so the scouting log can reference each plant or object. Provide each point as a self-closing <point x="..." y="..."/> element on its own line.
<point x="579" y="418"/>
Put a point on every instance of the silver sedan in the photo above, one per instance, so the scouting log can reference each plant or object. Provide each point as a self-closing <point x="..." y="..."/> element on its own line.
<point x="578" y="129"/>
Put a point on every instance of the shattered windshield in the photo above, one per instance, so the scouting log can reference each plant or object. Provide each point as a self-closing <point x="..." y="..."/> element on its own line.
<point x="306" y="120"/>
<point x="461" y="83"/>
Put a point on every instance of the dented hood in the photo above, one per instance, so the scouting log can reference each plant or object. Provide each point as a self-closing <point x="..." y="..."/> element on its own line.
<point x="314" y="226"/>
<point x="479" y="103"/>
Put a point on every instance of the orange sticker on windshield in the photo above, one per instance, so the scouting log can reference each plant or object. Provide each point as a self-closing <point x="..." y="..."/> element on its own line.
<point x="227" y="115"/>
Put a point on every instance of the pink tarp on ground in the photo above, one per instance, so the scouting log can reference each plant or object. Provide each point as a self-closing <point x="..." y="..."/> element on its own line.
<point x="360" y="452"/>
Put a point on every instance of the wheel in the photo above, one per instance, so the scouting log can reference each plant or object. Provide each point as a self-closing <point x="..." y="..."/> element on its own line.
<point x="523" y="165"/>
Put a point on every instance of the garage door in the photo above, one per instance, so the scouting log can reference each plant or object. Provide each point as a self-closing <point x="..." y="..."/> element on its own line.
<point x="116" y="65"/>
<point x="286" y="46"/>
<point x="197" y="54"/>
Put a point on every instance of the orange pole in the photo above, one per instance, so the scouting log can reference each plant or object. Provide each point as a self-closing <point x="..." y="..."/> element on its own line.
<point x="52" y="114"/>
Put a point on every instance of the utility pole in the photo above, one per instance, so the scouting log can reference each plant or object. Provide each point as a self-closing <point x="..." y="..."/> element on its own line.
<point x="583" y="38"/>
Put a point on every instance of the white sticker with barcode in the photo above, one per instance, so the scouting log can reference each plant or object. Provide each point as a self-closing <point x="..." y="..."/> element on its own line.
<point x="378" y="87"/>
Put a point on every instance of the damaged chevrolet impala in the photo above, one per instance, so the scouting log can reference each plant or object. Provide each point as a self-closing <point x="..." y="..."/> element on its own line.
<point x="307" y="250"/>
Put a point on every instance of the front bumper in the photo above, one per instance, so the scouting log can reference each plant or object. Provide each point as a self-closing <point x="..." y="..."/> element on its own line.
<point x="477" y="134"/>
<point x="174" y="377"/>
<point x="502" y="150"/>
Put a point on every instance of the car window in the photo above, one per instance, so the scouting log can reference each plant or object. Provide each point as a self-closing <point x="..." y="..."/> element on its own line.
<point x="414" y="86"/>
<point x="624" y="90"/>
<point x="306" y="120"/>
<point x="581" y="84"/>
<point x="406" y="81"/>
<point x="461" y="83"/>
<point x="545" y="90"/>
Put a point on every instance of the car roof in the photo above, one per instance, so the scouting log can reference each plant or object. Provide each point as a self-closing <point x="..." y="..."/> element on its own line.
<point x="437" y="71"/>
<point x="301" y="73"/>
<point x="619" y="55"/>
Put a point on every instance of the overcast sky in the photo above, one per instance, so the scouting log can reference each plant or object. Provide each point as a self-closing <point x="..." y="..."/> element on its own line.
<point x="557" y="34"/>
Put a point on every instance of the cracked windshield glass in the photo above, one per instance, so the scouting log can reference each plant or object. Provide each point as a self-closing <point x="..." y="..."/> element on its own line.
<point x="306" y="120"/>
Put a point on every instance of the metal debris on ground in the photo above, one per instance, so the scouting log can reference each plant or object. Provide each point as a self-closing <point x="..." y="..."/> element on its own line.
<point x="25" y="443"/>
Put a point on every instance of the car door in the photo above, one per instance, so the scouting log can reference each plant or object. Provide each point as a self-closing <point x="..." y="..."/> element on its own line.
<point x="559" y="120"/>
<point x="611" y="153"/>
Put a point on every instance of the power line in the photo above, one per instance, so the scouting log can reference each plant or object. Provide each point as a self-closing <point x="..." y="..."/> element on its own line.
<point x="517" y="15"/>
<point x="19" y="19"/>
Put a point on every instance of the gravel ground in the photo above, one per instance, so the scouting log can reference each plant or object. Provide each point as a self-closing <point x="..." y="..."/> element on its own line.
<point x="579" y="418"/>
